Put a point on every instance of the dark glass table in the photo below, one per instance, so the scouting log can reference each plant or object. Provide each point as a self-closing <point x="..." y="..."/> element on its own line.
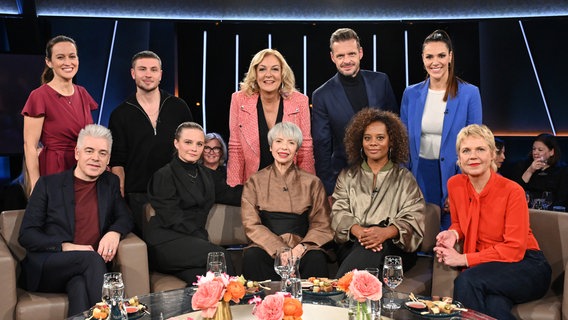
<point x="168" y="304"/>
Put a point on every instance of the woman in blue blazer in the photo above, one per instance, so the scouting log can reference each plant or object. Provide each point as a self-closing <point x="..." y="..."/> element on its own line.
<point x="434" y="111"/>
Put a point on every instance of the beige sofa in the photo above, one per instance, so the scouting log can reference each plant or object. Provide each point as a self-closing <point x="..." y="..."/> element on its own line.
<point x="16" y="303"/>
<point x="225" y="228"/>
<point x="551" y="230"/>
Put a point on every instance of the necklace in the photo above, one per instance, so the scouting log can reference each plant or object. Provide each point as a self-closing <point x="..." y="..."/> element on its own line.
<point x="193" y="175"/>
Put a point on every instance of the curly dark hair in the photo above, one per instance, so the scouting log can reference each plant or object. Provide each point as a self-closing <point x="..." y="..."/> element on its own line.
<point x="353" y="140"/>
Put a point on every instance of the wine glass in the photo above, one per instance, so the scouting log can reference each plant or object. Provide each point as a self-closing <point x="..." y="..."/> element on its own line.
<point x="216" y="263"/>
<point x="392" y="277"/>
<point x="283" y="265"/>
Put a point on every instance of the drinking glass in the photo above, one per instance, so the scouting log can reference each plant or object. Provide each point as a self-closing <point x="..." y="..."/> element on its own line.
<point x="283" y="265"/>
<point x="296" y="280"/>
<point x="392" y="277"/>
<point x="216" y="263"/>
<point x="547" y="200"/>
<point x="113" y="287"/>
<point x="113" y="295"/>
<point x="375" y="306"/>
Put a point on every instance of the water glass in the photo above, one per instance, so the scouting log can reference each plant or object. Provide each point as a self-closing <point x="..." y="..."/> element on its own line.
<point x="375" y="306"/>
<point x="113" y="295"/>
<point x="296" y="288"/>
<point x="113" y="287"/>
<point x="216" y="263"/>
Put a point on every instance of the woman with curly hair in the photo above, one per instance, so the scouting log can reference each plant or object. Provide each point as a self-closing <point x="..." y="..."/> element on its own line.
<point x="267" y="96"/>
<point x="378" y="208"/>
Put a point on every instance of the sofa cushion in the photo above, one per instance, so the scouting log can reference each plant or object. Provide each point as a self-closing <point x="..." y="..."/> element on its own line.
<point x="37" y="305"/>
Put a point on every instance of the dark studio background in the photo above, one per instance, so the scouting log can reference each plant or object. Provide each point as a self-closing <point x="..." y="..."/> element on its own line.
<point x="489" y="48"/>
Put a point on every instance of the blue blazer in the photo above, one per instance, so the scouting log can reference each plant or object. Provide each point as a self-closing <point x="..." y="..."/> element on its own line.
<point x="49" y="219"/>
<point x="463" y="110"/>
<point x="331" y="111"/>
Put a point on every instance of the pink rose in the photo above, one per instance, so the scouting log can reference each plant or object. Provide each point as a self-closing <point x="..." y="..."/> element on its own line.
<point x="272" y="308"/>
<point x="365" y="286"/>
<point x="206" y="297"/>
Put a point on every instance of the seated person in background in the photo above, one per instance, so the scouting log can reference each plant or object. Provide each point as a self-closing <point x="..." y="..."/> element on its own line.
<point x="543" y="171"/>
<point x="504" y="265"/>
<point x="378" y="208"/>
<point x="73" y="224"/>
<point x="215" y="153"/>
<point x="499" y="152"/>
<point x="284" y="206"/>
<point x="182" y="193"/>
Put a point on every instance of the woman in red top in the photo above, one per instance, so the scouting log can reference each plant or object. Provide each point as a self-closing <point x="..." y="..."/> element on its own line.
<point x="55" y="112"/>
<point x="489" y="213"/>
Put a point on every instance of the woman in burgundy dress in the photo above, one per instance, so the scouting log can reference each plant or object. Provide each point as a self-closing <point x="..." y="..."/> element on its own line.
<point x="55" y="112"/>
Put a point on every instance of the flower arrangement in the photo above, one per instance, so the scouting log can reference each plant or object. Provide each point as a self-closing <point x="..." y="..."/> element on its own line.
<point x="278" y="306"/>
<point x="361" y="286"/>
<point x="213" y="291"/>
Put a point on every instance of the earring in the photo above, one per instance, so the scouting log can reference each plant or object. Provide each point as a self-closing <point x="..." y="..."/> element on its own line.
<point x="361" y="154"/>
<point x="390" y="149"/>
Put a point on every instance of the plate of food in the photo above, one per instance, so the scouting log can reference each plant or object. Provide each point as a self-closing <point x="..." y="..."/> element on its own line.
<point x="254" y="288"/>
<point x="321" y="287"/>
<point x="101" y="310"/>
<point x="134" y="308"/>
<point x="427" y="308"/>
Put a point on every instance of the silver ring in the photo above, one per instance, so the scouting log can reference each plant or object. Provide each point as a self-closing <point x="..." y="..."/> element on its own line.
<point x="109" y="250"/>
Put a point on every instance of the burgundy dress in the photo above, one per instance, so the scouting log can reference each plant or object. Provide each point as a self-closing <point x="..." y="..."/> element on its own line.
<point x="64" y="117"/>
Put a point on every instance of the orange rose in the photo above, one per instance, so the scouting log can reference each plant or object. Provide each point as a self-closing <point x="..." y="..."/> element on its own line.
<point x="292" y="308"/>
<point x="345" y="281"/>
<point x="235" y="291"/>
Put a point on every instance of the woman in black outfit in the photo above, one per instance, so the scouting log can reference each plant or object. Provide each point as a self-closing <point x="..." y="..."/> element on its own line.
<point x="182" y="193"/>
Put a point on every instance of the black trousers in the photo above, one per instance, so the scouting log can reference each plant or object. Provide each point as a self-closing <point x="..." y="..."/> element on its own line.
<point x="78" y="273"/>
<point x="258" y="265"/>
<point x="185" y="257"/>
<point x="352" y="255"/>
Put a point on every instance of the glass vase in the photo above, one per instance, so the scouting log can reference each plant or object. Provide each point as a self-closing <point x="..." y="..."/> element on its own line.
<point x="223" y="312"/>
<point x="359" y="310"/>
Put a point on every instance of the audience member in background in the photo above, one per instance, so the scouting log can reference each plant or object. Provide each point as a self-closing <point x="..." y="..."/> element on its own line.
<point x="336" y="101"/>
<point x="499" y="153"/>
<point x="543" y="171"/>
<point x="182" y="193"/>
<point x="215" y="153"/>
<point x="378" y="208"/>
<point x="284" y="206"/>
<point x="267" y="96"/>
<point x="73" y="224"/>
<point x="434" y="111"/>
<point x="143" y="128"/>
<point x="55" y="112"/>
<point x="504" y="265"/>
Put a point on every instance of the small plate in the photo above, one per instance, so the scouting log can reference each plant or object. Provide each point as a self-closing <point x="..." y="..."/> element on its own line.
<point x="307" y="284"/>
<point x="434" y="315"/>
<point x="137" y="314"/>
<point x="334" y="292"/>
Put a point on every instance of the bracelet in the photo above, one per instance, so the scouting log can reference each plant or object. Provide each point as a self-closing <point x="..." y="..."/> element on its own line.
<point x="305" y="247"/>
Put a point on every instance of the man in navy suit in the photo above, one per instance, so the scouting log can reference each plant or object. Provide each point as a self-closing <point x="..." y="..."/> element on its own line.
<point x="337" y="100"/>
<point x="73" y="224"/>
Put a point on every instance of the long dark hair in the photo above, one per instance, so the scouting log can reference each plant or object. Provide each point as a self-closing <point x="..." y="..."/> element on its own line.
<point x="452" y="85"/>
<point x="47" y="74"/>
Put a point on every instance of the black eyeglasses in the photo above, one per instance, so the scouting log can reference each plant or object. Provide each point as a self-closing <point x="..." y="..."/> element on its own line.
<point x="214" y="149"/>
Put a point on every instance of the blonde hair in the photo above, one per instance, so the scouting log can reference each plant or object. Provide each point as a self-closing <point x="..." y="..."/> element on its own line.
<point x="249" y="84"/>
<point x="480" y="131"/>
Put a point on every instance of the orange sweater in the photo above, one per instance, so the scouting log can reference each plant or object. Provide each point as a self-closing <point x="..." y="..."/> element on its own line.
<point x="495" y="223"/>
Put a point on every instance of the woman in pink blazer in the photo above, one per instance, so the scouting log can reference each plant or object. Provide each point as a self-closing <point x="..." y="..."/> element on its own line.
<point x="267" y="96"/>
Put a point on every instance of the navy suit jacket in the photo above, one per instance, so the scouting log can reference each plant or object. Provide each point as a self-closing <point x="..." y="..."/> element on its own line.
<point x="49" y="219"/>
<point x="331" y="111"/>
<point x="461" y="111"/>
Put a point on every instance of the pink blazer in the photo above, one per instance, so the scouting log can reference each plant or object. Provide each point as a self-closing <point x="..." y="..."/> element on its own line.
<point x="244" y="146"/>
